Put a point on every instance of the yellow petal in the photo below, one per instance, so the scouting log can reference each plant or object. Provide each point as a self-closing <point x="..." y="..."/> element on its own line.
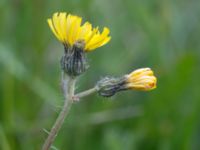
<point x="91" y="35"/>
<point x="98" y="40"/>
<point x="56" y="23"/>
<point x="106" y="40"/>
<point x="53" y="29"/>
<point x="76" y="29"/>
<point x="85" y="31"/>
<point x="63" y="24"/>
<point x="71" y="21"/>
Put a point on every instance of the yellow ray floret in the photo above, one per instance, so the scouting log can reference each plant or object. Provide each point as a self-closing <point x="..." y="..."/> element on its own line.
<point x="68" y="29"/>
<point x="141" y="79"/>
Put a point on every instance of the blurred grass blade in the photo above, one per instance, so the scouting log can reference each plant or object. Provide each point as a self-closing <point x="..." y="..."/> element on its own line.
<point x="4" y="145"/>
<point x="20" y="72"/>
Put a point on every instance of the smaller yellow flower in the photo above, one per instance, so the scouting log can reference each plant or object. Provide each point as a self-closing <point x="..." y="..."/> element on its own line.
<point x="141" y="79"/>
<point x="69" y="30"/>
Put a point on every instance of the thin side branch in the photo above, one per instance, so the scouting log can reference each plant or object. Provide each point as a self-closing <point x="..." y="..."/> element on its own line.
<point x="85" y="93"/>
<point x="68" y="90"/>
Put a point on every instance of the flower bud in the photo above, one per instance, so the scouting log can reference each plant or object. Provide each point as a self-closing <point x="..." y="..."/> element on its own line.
<point x="141" y="79"/>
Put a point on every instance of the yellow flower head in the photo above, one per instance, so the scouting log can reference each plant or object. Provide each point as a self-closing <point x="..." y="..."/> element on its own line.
<point x="69" y="30"/>
<point x="141" y="79"/>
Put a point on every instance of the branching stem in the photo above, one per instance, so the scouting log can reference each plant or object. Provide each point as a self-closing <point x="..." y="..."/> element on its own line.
<point x="68" y="84"/>
<point x="85" y="93"/>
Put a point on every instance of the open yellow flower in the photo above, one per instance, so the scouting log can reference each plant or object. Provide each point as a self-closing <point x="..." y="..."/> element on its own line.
<point x="69" y="30"/>
<point x="141" y="79"/>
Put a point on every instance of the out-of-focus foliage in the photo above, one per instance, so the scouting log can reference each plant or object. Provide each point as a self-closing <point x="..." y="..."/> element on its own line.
<point x="161" y="34"/>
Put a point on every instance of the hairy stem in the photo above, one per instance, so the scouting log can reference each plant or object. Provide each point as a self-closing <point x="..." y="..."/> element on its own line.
<point x="68" y="90"/>
<point x="86" y="93"/>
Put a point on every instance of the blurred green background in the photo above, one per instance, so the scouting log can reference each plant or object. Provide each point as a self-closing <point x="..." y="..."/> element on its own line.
<point x="161" y="34"/>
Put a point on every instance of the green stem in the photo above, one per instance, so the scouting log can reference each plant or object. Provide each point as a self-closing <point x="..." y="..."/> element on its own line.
<point x="68" y="90"/>
<point x="86" y="93"/>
